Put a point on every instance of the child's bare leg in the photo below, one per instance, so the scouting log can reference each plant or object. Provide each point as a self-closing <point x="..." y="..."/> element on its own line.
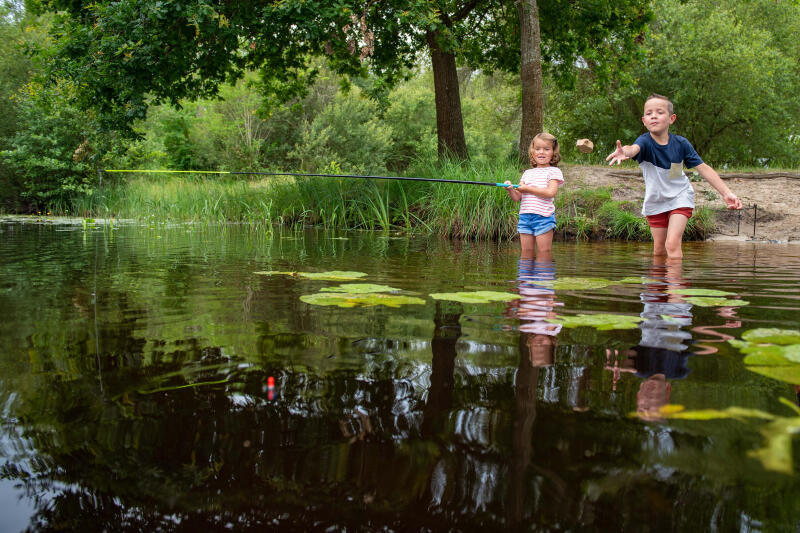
<point x="528" y="245"/>
<point x="677" y="224"/>
<point x="659" y="240"/>
<point x="544" y="246"/>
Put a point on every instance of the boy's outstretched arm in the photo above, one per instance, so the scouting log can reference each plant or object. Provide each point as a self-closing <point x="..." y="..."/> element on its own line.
<point x="711" y="176"/>
<point x="622" y="153"/>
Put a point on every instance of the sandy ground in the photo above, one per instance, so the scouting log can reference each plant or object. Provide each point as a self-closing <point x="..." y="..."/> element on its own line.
<point x="771" y="200"/>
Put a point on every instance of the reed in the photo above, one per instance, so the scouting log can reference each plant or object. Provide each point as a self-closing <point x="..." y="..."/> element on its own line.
<point x="447" y="209"/>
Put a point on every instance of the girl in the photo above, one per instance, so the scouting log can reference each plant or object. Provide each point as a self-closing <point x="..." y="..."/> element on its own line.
<point x="537" y="188"/>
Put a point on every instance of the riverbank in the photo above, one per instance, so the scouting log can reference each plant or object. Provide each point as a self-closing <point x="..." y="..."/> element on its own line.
<point x="595" y="203"/>
<point x="776" y="219"/>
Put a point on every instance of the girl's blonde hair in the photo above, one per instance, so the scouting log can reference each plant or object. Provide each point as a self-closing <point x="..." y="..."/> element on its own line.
<point x="556" y="150"/>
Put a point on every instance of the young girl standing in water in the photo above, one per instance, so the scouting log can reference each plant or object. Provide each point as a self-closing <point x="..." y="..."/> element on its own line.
<point x="537" y="188"/>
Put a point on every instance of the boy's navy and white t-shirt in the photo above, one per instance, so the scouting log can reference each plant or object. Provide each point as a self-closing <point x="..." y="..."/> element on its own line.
<point x="666" y="184"/>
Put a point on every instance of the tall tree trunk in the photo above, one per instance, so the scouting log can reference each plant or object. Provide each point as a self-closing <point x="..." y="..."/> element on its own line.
<point x="449" y="123"/>
<point x="530" y="75"/>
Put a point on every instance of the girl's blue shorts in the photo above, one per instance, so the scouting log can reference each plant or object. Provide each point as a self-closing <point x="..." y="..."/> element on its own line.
<point x="534" y="224"/>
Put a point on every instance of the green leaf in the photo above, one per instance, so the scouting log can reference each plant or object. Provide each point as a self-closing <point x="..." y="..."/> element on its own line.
<point x="581" y="283"/>
<point x="334" y="275"/>
<point x="711" y="301"/>
<point x="787" y="374"/>
<point x="772" y="336"/>
<point x="360" y="288"/>
<point x="477" y="297"/>
<point x="598" y="321"/>
<point x="361" y="300"/>
<point x="700" y="292"/>
<point x="639" y="279"/>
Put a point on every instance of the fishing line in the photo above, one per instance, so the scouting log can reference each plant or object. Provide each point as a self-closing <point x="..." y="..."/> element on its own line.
<point x="304" y="174"/>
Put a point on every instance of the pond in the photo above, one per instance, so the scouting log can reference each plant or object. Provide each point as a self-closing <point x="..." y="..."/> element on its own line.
<point x="185" y="377"/>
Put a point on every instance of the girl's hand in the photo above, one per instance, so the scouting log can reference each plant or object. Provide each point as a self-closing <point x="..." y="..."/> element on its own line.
<point x="617" y="156"/>
<point x="507" y="184"/>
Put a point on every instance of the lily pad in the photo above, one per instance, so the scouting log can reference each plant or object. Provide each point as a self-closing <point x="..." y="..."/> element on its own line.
<point x="362" y="300"/>
<point x="777" y="431"/>
<point x="360" y="288"/>
<point x="772" y="336"/>
<point x="700" y="292"/>
<point x="569" y="284"/>
<point x="599" y="321"/>
<point x="639" y="279"/>
<point x="713" y="301"/>
<point x="334" y="275"/>
<point x="766" y="359"/>
<point x="477" y="297"/>
<point x="787" y="374"/>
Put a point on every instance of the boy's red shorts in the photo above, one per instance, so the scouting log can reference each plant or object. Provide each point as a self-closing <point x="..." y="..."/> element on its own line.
<point x="661" y="220"/>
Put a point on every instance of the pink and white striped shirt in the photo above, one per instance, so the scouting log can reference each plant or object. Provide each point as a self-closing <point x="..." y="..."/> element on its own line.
<point x="539" y="177"/>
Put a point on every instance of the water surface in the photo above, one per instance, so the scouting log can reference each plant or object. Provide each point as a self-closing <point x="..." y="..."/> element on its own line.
<point x="150" y="379"/>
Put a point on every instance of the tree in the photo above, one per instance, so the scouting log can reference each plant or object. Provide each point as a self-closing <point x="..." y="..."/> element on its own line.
<point x="530" y="74"/>
<point x="128" y="54"/>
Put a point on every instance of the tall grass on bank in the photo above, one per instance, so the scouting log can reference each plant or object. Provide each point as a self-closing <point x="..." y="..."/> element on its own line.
<point x="447" y="209"/>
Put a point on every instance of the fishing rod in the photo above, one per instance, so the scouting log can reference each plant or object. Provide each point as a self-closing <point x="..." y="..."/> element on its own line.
<point x="306" y="174"/>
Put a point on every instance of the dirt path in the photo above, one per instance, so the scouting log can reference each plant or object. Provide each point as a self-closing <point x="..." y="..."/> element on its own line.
<point x="776" y="195"/>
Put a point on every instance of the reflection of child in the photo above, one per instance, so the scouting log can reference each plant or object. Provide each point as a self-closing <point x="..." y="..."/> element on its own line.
<point x="538" y="186"/>
<point x="669" y="197"/>
<point x="660" y="354"/>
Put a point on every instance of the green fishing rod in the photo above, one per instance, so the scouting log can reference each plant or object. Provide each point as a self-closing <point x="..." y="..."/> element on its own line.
<point x="307" y="174"/>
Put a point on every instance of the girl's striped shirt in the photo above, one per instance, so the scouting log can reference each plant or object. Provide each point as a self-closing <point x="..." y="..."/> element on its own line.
<point x="539" y="177"/>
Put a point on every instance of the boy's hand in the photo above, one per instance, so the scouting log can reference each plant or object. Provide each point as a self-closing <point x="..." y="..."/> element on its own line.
<point x="617" y="156"/>
<point x="732" y="201"/>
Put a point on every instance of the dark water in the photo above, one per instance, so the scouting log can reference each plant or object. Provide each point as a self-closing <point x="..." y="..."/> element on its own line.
<point x="135" y="368"/>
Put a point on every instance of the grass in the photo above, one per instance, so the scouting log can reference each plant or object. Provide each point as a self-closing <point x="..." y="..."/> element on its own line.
<point x="451" y="210"/>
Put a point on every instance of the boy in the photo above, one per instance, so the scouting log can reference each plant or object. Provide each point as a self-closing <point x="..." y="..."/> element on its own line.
<point x="669" y="197"/>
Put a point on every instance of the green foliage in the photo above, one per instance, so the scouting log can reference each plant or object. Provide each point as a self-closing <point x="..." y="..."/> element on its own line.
<point x="732" y="80"/>
<point x="51" y="153"/>
<point x="348" y="132"/>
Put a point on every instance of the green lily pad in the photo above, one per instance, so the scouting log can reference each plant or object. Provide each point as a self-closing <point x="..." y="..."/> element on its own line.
<point x="477" y="297"/>
<point x="736" y="413"/>
<point x="335" y="275"/>
<point x="569" y="284"/>
<point x="360" y="288"/>
<point x="599" y="321"/>
<point x="361" y="300"/>
<point x="700" y="292"/>
<point x="712" y="301"/>
<point x="766" y="359"/>
<point x="787" y="374"/>
<point x="639" y="279"/>
<point x="772" y="336"/>
<point x="777" y="432"/>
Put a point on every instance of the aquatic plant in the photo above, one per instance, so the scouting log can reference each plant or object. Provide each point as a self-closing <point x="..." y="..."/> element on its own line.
<point x="776" y="454"/>
<point x="476" y="297"/>
<point x="771" y="352"/>
<point x="334" y="275"/>
<point x="600" y="321"/>
<point x="360" y="288"/>
<point x="713" y="301"/>
<point x="363" y="300"/>
<point x="700" y="292"/>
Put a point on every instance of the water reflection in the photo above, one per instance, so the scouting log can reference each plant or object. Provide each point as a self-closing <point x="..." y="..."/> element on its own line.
<point x="150" y="381"/>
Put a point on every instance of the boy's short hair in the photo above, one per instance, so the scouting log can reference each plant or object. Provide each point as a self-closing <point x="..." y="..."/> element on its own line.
<point x="556" y="150"/>
<point x="656" y="96"/>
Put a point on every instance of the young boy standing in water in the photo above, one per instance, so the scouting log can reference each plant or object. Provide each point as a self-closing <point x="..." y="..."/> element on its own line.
<point x="668" y="197"/>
